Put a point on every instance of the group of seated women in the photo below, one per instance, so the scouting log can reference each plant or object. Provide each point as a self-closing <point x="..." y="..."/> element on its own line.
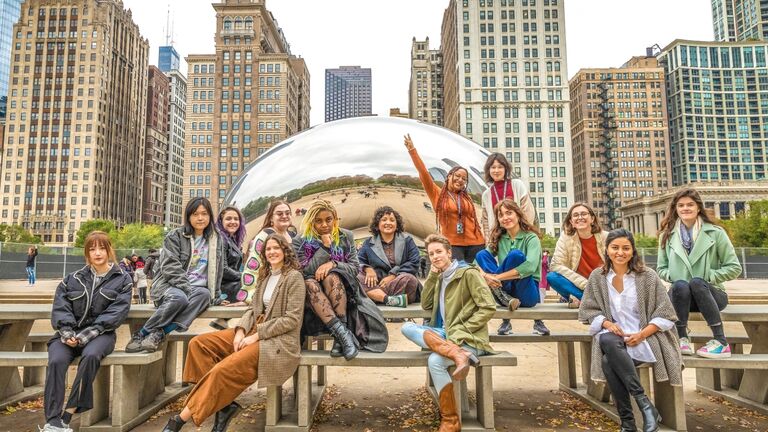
<point x="313" y="280"/>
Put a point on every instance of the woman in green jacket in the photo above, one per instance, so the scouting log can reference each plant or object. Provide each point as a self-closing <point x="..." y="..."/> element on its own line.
<point x="461" y="306"/>
<point x="696" y="256"/>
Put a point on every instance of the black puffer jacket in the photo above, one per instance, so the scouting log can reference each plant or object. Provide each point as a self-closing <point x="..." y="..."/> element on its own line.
<point x="230" y="280"/>
<point x="80" y="303"/>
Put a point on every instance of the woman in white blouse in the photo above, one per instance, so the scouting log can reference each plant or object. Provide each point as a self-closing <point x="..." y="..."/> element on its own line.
<point x="630" y="315"/>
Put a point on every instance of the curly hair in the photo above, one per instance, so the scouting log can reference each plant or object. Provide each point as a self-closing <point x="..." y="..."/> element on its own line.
<point x="443" y="197"/>
<point x="380" y="212"/>
<point x="499" y="231"/>
<point x="290" y="261"/>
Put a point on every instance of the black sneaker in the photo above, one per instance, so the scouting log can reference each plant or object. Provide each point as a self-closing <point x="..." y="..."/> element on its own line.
<point x="539" y="328"/>
<point x="152" y="342"/>
<point x="134" y="345"/>
<point x="505" y="328"/>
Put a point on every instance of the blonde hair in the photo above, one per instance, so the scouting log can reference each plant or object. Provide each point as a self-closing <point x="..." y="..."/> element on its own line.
<point x="307" y="228"/>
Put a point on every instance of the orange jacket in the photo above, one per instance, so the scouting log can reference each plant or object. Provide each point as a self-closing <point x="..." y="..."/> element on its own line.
<point x="473" y="235"/>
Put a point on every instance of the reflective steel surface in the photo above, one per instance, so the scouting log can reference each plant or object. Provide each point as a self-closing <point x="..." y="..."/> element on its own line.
<point x="358" y="164"/>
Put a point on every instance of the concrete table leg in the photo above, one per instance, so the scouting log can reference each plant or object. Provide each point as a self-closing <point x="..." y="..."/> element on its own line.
<point x="101" y="399"/>
<point x="13" y="337"/>
<point x="274" y="405"/>
<point x="484" y="393"/>
<point x="671" y="405"/>
<point x="566" y="363"/>
<point x="754" y="385"/>
<point x="597" y="390"/>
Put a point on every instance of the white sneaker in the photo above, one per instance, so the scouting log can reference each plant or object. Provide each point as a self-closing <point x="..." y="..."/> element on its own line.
<point x="50" y="428"/>
<point x="685" y="346"/>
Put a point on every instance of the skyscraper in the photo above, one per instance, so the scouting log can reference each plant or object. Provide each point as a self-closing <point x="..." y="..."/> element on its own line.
<point x="76" y="116"/>
<point x="156" y="147"/>
<point x="740" y="20"/>
<point x="347" y="92"/>
<point x="251" y="94"/>
<point x="619" y="135"/>
<point x="10" y="11"/>
<point x="425" y="91"/>
<point x="506" y="87"/>
<point x="174" y="177"/>
<point x="717" y="124"/>
<point x="168" y="59"/>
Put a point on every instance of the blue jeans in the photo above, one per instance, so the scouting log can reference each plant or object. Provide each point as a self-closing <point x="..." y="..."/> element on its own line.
<point x="31" y="276"/>
<point x="563" y="285"/>
<point x="437" y="364"/>
<point x="526" y="289"/>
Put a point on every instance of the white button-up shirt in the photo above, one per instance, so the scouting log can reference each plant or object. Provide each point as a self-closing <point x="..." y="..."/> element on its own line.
<point x="626" y="314"/>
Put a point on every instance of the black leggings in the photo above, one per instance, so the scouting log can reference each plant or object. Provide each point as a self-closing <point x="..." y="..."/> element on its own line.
<point x="696" y="296"/>
<point x="620" y="373"/>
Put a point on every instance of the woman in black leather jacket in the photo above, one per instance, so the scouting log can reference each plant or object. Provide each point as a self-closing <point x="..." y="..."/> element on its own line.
<point x="89" y="305"/>
<point x="231" y="226"/>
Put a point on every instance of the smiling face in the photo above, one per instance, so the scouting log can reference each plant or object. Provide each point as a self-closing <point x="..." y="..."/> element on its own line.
<point x="508" y="218"/>
<point x="439" y="256"/>
<point x="457" y="181"/>
<point x="497" y="171"/>
<point x="231" y="222"/>
<point x="581" y="218"/>
<point x="200" y="219"/>
<point x="388" y="224"/>
<point x="281" y="217"/>
<point x="274" y="253"/>
<point x="687" y="210"/>
<point x="323" y="222"/>
<point x="620" y="251"/>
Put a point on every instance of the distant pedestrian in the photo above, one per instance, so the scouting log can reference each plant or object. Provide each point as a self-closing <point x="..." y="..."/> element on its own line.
<point x="149" y="265"/>
<point x="31" y="268"/>
<point x="140" y="281"/>
<point x="126" y="265"/>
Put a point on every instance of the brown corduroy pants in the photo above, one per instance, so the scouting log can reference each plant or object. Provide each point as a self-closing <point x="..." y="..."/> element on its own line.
<point x="220" y="374"/>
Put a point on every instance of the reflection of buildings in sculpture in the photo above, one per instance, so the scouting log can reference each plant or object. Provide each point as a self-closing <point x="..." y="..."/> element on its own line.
<point x="644" y="215"/>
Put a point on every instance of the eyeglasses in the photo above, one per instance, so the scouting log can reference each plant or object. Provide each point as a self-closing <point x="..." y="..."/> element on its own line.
<point x="583" y="215"/>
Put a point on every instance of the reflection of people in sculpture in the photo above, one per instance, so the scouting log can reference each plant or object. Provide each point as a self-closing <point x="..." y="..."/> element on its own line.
<point x="334" y="296"/>
<point x="389" y="261"/>
<point x="461" y="307"/>
<point x="454" y="209"/>
<point x="264" y="345"/>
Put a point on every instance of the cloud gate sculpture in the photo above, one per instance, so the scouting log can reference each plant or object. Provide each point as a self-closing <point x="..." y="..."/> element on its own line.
<point x="357" y="164"/>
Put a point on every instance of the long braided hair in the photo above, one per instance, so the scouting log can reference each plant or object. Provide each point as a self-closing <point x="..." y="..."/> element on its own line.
<point x="499" y="230"/>
<point x="440" y="214"/>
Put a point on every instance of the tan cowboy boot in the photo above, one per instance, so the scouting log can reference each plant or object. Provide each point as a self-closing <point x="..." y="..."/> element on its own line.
<point x="450" y="350"/>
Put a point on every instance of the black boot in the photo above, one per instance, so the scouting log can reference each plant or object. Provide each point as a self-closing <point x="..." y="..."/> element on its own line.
<point x="624" y="410"/>
<point x="628" y="425"/>
<point x="651" y="417"/>
<point x="174" y="424"/>
<point x="224" y="416"/>
<point x="336" y="348"/>
<point x="348" y="341"/>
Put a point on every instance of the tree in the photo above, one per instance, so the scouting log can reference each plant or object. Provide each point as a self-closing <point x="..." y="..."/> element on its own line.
<point x="139" y="236"/>
<point x="17" y="234"/>
<point x="548" y="243"/>
<point x="750" y="229"/>
<point x="94" y="225"/>
<point x="643" y="241"/>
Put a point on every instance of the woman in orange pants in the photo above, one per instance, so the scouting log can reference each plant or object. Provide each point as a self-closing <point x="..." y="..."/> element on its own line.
<point x="264" y="345"/>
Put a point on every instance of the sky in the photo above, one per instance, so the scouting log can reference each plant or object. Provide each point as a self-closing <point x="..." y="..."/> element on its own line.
<point x="378" y="34"/>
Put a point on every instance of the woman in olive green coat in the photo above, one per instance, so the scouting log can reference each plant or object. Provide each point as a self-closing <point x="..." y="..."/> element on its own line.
<point x="696" y="256"/>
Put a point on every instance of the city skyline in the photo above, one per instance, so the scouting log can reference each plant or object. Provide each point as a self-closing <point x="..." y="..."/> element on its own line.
<point x="596" y="34"/>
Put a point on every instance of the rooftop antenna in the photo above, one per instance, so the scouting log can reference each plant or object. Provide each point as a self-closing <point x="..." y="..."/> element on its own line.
<point x="168" y="31"/>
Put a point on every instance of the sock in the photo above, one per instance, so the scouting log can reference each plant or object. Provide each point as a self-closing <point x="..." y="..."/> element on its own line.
<point x="398" y="300"/>
<point x="682" y="330"/>
<point x="386" y="300"/>
<point x="144" y="332"/>
<point x="170" y="327"/>
<point x="66" y="417"/>
<point x="718" y="334"/>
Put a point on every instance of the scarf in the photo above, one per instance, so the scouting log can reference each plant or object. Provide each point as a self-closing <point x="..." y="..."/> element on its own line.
<point x="445" y="279"/>
<point x="688" y="236"/>
<point x="311" y="246"/>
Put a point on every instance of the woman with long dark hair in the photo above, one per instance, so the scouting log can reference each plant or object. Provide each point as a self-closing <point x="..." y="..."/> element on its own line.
<point x="264" y="347"/>
<point x="454" y="208"/>
<point x="511" y="263"/>
<point x="389" y="261"/>
<point x="188" y="277"/>
<point x="277" y="220"/>
<point x="231" y="227"/>
<point x="501" y="185"/>
<point x="629" y="313"/>
<point x="336" y="301"/>
<point x="696" y="256"/>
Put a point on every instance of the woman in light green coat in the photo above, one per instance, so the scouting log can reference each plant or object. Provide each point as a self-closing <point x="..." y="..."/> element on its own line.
<point x="696" y="256"/>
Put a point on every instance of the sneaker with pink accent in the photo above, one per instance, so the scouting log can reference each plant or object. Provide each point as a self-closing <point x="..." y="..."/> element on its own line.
<point x="714" y="350"/>
<point x="685" y="346"/>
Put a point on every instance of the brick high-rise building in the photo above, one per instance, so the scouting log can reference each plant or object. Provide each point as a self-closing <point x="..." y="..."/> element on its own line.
<point x="76" y="114"/>
<point x="251" y="94"/>
<point x="425" y="91"/>
<point x="506" y="88"/>
<point x="156" y="147"/>
<point x="619" y="136"/>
